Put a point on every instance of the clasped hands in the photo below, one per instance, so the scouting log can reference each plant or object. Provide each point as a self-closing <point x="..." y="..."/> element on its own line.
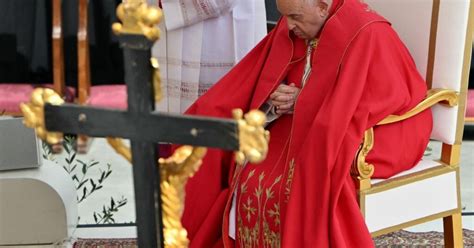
<point x="284" y="97"/>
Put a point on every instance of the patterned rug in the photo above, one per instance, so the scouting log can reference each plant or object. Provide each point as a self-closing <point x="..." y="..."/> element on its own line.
<point x="400" y="239"/>
<point x="419" y="239"/>
<point x="105" y="243"/>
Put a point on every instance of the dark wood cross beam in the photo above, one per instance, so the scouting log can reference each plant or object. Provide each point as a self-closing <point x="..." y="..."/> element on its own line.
<point x="144" y="129"/>
<point x="152" y="127"/>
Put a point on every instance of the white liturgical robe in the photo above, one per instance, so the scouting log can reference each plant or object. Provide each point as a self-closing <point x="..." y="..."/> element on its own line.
<point x="201" y="40"/>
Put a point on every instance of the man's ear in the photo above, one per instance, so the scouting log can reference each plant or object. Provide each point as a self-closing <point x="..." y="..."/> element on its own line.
<point x="324" y="6"/>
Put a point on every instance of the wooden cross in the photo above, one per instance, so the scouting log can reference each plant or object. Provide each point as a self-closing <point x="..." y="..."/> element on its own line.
<point x="50" y="116"/>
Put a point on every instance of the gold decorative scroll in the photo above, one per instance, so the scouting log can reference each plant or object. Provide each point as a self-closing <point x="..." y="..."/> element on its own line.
<point x="33" y="112"/>
<point x="138" y="19"/>
<point x="175" y="172"/>
<point x="361" y="169"/>
<point x="120" y="148"/>
<point x="434" y="96"/>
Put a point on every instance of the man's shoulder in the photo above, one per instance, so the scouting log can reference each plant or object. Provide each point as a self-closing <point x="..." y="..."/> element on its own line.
<point x="376" y="29"/>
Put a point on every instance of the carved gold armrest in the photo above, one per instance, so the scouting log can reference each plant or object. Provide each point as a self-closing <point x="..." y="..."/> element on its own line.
<point x="434" y="96"/>
<point x="361" y="170"/>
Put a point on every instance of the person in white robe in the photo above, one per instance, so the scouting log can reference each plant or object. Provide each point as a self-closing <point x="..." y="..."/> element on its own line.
<point x="201" y="40"/>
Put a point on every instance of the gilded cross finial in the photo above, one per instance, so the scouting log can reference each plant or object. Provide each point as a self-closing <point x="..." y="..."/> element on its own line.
<point x="138" y="18"/>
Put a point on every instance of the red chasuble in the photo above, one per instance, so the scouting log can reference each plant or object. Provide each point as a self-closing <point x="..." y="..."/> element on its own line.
<point x="302" y="195"/>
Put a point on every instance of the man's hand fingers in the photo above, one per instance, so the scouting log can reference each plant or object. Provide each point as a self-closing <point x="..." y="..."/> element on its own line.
<point x="276" y="94"/>
<point x="287" y="106"/>
<point x="288" y="89"/>
<point x="284" y="108"/>
<point x="284" y="98"/>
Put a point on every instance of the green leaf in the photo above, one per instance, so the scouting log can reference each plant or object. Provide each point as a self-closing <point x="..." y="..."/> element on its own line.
<point x="66" y="147"/>
<point x="84" y="169"/>
<point x="95" y="217"/>
<point x="74" y="167"/>
<point x="102" y="175"/>
<point x="84" y="194"/>
<point x="82" y="183"/>
<point x="81" y="162"/>
<point x="73" y="157"/>
<point x="121" y="204"/>
<point x="74" y="178"/>
<point x="93" y="184"/>
<point x="108" y="174"/>
<point x="112" y="203"/>
<point x="93" y="163"/>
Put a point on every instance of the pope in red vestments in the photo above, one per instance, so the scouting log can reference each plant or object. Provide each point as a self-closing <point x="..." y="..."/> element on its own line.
<point x="330" y="70"/>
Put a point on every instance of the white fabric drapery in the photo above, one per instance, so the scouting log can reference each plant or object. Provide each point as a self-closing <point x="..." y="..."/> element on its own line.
<point x="201" y="41"/>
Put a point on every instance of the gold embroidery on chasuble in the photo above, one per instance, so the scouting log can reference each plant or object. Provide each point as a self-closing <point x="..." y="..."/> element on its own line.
<point x="264" y="189"/>
<point x="289" y="179"/>
<point x="258" y="217"/>
<point x="261" y="193"/>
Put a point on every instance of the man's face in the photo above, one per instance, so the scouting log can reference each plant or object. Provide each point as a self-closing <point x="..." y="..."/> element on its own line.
<point x="305" y="17"/>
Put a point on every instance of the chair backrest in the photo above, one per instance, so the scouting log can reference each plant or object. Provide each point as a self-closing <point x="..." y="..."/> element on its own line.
<point x="83" y="57"/>
<point x="438" y="34"/>
<point x="58" y="52"/>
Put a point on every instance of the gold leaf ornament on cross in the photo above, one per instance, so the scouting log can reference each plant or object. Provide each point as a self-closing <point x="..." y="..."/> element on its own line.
<point x="156" y="78"/>
<point x="253" y="137"/>
<point x="138" y="19"/>
<point x="33" y="112"/>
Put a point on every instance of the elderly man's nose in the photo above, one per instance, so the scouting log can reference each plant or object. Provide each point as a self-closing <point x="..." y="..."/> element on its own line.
<point x="291" y="25"/>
